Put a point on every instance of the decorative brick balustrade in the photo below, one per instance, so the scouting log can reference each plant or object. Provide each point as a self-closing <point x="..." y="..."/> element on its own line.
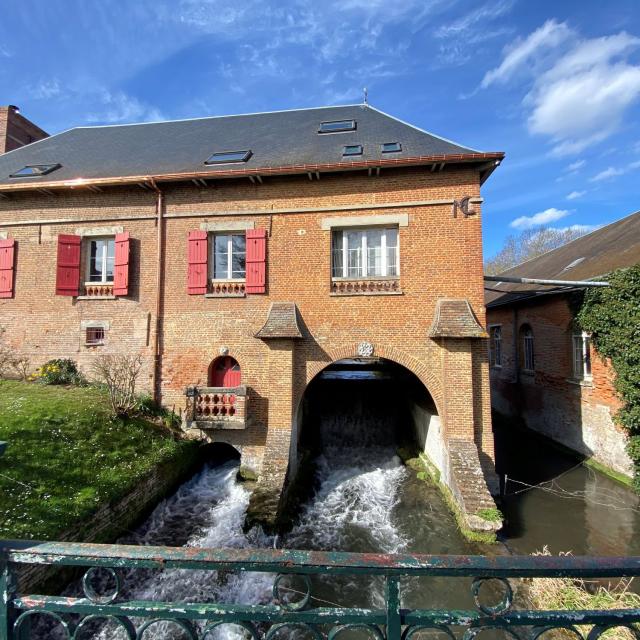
<point x="218" y="407"/>
<point x="97" y="290"/>
<point x="365" y="286"/>
<point x="224" y="289"/>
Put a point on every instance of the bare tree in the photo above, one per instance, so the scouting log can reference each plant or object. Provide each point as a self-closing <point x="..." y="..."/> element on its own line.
<point x="529" y="244"/>
<point x="119" y="373"/>
<point x="22" y="366"/>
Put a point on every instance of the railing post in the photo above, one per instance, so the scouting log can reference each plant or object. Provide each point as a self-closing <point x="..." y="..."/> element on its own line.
<point x="393" y="608"/>
<point x="6" y="595"/>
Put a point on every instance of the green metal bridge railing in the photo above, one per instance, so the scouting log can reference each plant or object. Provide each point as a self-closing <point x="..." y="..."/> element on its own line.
<point x="286" y="618"/>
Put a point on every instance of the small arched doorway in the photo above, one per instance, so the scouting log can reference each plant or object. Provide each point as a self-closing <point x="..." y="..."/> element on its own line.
<point x="224" y="372"/>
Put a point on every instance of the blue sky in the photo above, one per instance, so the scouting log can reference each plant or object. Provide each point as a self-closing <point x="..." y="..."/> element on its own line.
<point x="556" y="85"/>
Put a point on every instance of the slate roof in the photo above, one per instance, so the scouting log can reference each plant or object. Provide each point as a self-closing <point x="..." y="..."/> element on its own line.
<point x="454" y="318"/>
<point x="590" y="257"/>
<point x="282" y="322"/>
<point x="278" y="139"/>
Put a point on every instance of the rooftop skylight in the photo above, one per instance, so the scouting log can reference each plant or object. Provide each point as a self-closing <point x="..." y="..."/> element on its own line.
<point x="34" y="170"/>
<point x="390" y="147"/>
<point x="352" y="150"/>
<point x="336" y="126"/>
<point x="223" y="157"/>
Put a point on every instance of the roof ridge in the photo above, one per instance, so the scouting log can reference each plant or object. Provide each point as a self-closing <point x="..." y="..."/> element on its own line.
<point x="586" y="235"/>
<point x="229" y="115"/>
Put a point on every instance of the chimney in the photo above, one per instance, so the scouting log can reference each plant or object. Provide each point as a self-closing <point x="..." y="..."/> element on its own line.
<point x="16" y="131"/>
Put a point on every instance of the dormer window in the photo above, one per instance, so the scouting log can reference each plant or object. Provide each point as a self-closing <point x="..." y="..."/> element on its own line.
<point x="352" y="150"/>
<point x="34" y="170"/>
<point x="224" y="157"/>
<point x="337" y="126"/>
<point x="390" y="147"/>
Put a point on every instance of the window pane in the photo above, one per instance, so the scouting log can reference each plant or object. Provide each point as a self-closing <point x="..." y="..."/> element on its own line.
<point x="111" y="251"/>
<point x="96" y="248"/>
<point x="221" y="257"/>
<point x="587" y="360"/>
<point x="392" y="261"/>
<point x="238" y="267"/>
<point x="337" y="257"/>
<point x="392" y="237"/>
<point x="354" y="257"/>
<point x="239" y="242"/>
<point x="221" y="244"/>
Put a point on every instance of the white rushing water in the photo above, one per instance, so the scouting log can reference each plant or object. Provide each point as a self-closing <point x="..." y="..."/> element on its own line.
<point x="358" y="481"/>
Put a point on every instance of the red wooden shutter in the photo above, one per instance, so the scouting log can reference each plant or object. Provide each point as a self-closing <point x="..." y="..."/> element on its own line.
<point x="68" y="271"/>
<point x="121" y="265"/>
<point x="197" y="275"/>
<point x="256" y="261"/>
<point x="7" y="253"/>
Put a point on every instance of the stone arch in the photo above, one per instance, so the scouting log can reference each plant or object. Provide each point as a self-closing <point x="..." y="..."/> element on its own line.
<point x="427" y="372"/>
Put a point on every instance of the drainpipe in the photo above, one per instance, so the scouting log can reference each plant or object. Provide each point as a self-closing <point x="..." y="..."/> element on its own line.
<point x="545" y="281"/>
<point x="157" y="346"/>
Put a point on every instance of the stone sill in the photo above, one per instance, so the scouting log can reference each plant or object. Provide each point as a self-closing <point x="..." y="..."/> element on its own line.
<point x="218" y="425"/>
<point x="225" y="295"/>
<point x="96" y="297"/>
<point x="581" y="382"/>
<point x="366" y="293"/>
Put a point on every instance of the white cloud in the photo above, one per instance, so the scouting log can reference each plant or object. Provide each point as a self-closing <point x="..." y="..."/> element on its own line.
<point x="583" y="228"/>
<point x="46" y="89"/>
<point x="548" y="36"/>
<point x="578" y="164"/>
<point x="118" y="107"/>
<point x="580" y="88"/>
<point x="613" y="172"/>
<point x="574" y="195"/>
<point x="543" y="217"/>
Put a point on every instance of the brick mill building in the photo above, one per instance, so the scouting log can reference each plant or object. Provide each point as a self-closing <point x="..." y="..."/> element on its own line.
<point x="544" y="368"/>
<point x="240" y="256"/>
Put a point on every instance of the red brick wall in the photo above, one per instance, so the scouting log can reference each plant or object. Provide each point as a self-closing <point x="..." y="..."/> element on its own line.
<point x="16" y="131"/>
<point x="576" y="413"/>
<point x="439" y="257"/>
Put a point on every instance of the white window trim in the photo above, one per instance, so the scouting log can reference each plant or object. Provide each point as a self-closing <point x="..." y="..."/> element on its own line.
<point x="491" y="350"/>
<point x="365" y="256"/>
<point x="229" y="278"/>
<point x="88" y="241"/>
<point x="580" y="375"/>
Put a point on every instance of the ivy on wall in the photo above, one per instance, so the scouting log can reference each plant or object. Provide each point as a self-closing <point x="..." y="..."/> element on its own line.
<point x="612" y="315"/>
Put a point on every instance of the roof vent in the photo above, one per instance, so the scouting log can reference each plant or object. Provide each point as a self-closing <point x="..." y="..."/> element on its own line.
<point x="390" y="147"/>
<point x="575" y="263"/>
<point x="34" y="170"/>
<point x="337" y="126"/>
<point x="224" y="157"/>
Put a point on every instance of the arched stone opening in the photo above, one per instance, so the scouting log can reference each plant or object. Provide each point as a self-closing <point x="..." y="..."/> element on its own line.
<point x="365" y="402"/>
<point x="224" y="371"/>
<point x="220" y="452"/>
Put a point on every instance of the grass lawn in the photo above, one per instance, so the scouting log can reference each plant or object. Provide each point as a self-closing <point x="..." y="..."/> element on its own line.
<point x="65" y="457"/>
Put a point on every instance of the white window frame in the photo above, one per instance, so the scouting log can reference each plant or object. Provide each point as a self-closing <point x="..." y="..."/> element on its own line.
<point x="583" y="349"/>
<point x="495" y="362"/>
<point x="212" y="268"/>
<point x="105" y="253"/>
<point x="365" y="257"/>
<point x="528" y="350"/>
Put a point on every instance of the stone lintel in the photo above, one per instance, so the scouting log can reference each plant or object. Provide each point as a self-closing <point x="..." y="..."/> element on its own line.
<point x="401" y="219"/>
<point x="228" y="225"/>
<point x="99" y="231"/>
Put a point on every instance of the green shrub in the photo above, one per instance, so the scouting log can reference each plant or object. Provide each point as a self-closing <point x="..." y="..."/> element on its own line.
<point x="58" y="371"/>
<point x="612" y="315"/>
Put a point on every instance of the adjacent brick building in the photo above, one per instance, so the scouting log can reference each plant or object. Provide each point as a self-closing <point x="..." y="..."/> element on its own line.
<point x="543" y="366"/>
<point x="16" y="131"/>
<point x="241" y="255"/>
